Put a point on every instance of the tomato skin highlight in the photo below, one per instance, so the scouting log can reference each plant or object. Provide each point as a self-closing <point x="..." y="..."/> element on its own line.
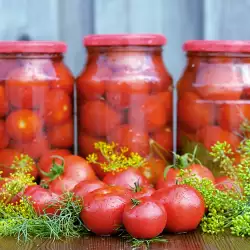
<point x="103" y="209"/>
<point x="23" y="125"/>
<point x="43" y="201"/>
<point x="126" y="178"/>
<point x="184" y="205"/>
<point x="85" y="187"/>
<point x="146" y="220"/>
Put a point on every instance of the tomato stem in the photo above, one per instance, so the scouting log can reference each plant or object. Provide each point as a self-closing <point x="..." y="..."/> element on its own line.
<point x="135" y="202"/>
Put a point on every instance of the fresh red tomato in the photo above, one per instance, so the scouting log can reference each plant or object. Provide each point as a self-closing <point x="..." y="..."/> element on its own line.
<point x="35" y="149"/>
<point x="91" y="82"/>
<point x="172" y="178"/>
<point x="64" y="79"/>
<point x="58" y="107"/>
<point x="43" y="200"/>
<point x="224" y="183"/>
<point x="231" y="116"/>
<point x="62" y="136"/>
<point x="184" y="205"/>
<point x="4" y="105"/>
<point x="126" y="178"/>
<point x="85" y="187"/>
<point x="210" y="135"/>
<point x="164" y="137"/>
<point x="23" y="125"/>
<point x="7" y="156"/>
<point x="45" y="162"/>
<point x="219" y="82"/>
<point x="139" y="192"/>
<point x="190" y="106"/>
<point x="135" y="140"/>
<point x="151" y="115"/>
<point x="74" y="169"/>
<point x="103" y="209"/>
<point x="27" y="86"/>
<point x="145" y="218"/>
<point x="4" y="137"/>
<point x="98" y="119"/>
<point x="153" y="169"/>
<point x="97" y="168"/>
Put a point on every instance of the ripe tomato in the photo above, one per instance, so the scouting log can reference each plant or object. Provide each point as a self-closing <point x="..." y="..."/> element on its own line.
<point x="91" y="82"/>
<point x="57" y="107"/>
<point x="97" y="118"/>
<point x="64" y="79"/>
<point x="86" y="143"/>
<point x="142" y="224"/>
<point x="139" y="192"/>
<point x="27" y="86"/>
<point x="35" y="149"/>
<point x="153" y="169"/>
<point x="135" y="140"/>
<point x="224" y="183"/>
<point x="164" y="137"/>
<point x="184" y="205"/>
<point x="4" y="105"/>
<point x="4" y="137"/>
<point x="151" y="115"/>
<point x="45" y="162"/>
<point x="43" y="200"/>
<point x="23" y="125"/>
<point x="118" y="93"/>
<point x="74" y="170"/>
<point x="126" y="178"/>
<point x="97" y="168"/>
<point x="62" y="136"/>
<point x="190" y="106"/>
<point x="85" y="187"/>
<point x="231" y="116"/>
<point x="172" y="176"/>
<point x="7" y="156"/>
<point x="219" y="82"/>
<point x="103" y="209"/>
<point x="209" y="135"/>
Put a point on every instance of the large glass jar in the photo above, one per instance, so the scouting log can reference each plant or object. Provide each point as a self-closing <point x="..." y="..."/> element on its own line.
<point x="213" y="97"/>
<point x="36" y="97"/>
<point x="125" y="94"/>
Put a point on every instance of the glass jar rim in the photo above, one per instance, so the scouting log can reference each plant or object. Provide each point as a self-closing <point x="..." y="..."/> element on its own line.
<point x="32" y="47"/>
<point x="124" y="40"/>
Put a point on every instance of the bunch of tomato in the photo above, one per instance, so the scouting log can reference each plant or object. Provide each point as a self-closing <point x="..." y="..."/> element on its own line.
<point x="124" y="199"/>
<point x="124" y="97"/>
<point x="213" y="102"/>
<point x="36" y="107"/>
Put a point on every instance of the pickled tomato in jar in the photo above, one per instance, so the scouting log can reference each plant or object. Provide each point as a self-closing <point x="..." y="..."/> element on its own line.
<point x="124" y="95"/>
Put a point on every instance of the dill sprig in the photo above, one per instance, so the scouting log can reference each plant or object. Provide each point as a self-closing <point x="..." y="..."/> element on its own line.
<point x="117" y="158"/>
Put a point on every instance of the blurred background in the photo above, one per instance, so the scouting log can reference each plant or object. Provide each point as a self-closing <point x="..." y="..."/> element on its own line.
<point x="179" y="20"/>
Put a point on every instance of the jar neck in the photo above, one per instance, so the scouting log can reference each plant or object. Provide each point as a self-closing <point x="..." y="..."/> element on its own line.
<point x="52" y="56"/>
<point x="217" y="54"/>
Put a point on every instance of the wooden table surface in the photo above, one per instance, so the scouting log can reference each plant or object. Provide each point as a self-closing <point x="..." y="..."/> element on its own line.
<point x="190" y="241"/>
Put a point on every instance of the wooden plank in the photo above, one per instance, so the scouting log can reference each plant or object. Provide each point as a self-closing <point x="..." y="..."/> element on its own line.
<point x="226" y="19"/>
<point x="111" y="16"/>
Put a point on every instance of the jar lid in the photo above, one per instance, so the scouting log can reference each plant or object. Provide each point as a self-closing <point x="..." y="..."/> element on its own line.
<point x="124" y="39"/>
<point x="32" y="47"/>
<point x="217" y="46"/>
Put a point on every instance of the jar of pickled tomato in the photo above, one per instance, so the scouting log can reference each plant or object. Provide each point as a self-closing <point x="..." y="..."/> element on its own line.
<point x="125" y="95"/>
<point x="36" y="97"/>
<point x="214" y="97"/>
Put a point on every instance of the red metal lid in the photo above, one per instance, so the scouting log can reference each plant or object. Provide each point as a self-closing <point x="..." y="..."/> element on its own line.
<point x="124" y="39"/>
<point x="32" y="47"/>
<point x="217" y="46"/>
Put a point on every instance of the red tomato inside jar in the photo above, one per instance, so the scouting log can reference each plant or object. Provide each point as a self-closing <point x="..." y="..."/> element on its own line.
<point x="125" y="94"/>
<point x="36" y="96"/>
<point x="214" y="97"/>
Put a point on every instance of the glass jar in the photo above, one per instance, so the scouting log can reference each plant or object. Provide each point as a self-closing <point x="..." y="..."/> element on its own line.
<point x="213" y="97"/>
<point x="125" y="94"/>
<point x="36" y="97"/>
